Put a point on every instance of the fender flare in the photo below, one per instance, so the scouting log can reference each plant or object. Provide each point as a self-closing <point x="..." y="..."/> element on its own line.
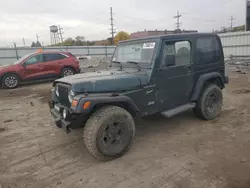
<point x="105" y="100"/>
<point x="199" y="86"/>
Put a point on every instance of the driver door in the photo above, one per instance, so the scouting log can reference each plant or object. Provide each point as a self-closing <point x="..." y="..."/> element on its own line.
<point x="34" y="68"/>
<point x="175" y="79"/>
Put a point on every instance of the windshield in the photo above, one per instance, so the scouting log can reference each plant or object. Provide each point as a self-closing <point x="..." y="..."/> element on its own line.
<point x="139" y="52"/>
<point x="21" y="59"/>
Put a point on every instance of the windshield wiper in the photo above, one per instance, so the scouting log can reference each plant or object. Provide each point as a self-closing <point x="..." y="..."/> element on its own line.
<point x="133" y="62"/>
<point x="118" y="62"/>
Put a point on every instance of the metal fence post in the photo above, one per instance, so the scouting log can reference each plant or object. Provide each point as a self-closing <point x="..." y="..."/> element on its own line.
<point x="17" y="57"/>
<point x="88" y="49"/>
<point x="106" y="51"/>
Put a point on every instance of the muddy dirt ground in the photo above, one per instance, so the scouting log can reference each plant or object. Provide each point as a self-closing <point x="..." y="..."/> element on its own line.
<point x="181" y="152"/>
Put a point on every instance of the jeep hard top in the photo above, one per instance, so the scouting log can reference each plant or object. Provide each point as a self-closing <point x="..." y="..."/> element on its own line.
<point x="166" y="74"/>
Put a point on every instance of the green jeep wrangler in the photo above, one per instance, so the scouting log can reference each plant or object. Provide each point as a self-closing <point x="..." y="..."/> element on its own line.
<point x="166" y="74"/>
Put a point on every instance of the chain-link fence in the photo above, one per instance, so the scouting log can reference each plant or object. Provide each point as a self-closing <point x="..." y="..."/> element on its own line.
<point x="9" y="55"/>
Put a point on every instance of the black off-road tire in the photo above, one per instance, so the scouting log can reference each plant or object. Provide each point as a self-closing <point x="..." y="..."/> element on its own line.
<point x="201" y="110"/>
<point x="95" y="126"/>
<point x="10" y="76"/>
<point x="70" y="71"/>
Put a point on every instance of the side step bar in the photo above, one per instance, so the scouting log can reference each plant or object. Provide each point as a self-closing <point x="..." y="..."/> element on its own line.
<point x="178" y="110"/>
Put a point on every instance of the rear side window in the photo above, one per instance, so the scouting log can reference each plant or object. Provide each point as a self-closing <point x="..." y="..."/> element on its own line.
<point x="53" y="57"/>
<point x="207" y="50"/>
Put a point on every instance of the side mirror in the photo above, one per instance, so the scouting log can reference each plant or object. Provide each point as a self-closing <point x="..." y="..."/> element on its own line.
<point x="24" y="65"/>
<point x="169" y="60"/>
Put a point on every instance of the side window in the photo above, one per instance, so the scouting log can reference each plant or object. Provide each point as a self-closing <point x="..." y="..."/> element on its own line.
<point x="179" y="52"/>
<point x="60" y="56"/>
<point x="207" y="50"/>
<point x="35" y="59"/>
<point x="53" y="57"/>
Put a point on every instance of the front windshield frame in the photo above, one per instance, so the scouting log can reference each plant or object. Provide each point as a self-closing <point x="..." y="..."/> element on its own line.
<point x="140" y="63"/>
<point x="21" y="59"/>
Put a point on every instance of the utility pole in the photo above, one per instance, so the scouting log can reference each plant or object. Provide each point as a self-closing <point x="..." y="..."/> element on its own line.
<point x="178" y="23"/>
<point x="17" y="57"/>
<point x="23" y="42"/>
<point x="60" y="33"/>
<point x="112" y="26"/>
<point x="231" y="23"/>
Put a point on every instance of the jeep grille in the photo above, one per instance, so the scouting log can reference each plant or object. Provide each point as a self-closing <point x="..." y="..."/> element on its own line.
<point x="63" y="91"/>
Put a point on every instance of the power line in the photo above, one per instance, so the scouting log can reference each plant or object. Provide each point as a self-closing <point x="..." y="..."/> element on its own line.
<point x="178" y="23"/>
<point x="112" y="26"/>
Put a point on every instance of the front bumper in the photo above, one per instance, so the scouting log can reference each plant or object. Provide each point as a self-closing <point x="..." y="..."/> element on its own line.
<point x="73" y="121"/>
<point x="78" y="70"/>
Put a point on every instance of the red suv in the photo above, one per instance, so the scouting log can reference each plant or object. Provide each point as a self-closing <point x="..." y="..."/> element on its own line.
<point x="38" y="66"/>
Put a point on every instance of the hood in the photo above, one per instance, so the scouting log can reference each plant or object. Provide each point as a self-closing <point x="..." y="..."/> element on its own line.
<point x="5" y="66"/>
<point x="8" y="66"/>
<point x="104" y="81"/>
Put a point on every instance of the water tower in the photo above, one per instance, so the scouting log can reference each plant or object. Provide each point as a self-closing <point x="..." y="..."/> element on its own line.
<point x="54" y="35"/>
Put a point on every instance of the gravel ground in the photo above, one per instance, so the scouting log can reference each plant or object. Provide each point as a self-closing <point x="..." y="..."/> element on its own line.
<point x="181" y="152"/>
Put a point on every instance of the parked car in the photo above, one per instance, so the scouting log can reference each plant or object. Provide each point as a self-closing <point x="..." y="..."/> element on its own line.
<point x="163" y="74"/>
<point x="38" y="66"/>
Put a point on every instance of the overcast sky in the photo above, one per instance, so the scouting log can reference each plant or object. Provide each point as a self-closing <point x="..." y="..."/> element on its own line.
<point x="90" y="18"/>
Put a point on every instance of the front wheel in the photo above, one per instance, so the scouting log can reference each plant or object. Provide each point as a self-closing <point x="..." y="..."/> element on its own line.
<point x="10" y="81"/>
<point x="67" y="72"/>
<point x="109" y="133"/>
<point x="209" y="104"/>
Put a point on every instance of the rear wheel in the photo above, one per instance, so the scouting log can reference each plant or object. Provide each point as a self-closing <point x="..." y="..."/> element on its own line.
<point x="10" y="81"/>
<point x="109" y="133"/>
<point x="67" y="72"/>
<point x="209" y="104"/>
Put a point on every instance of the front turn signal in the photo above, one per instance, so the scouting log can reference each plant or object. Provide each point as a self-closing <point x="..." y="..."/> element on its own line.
<point x="86" y="105"/>
<point x="74" y="103"/>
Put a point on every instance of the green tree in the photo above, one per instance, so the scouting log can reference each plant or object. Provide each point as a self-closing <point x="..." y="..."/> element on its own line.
<point x="122" y="35"/>
<point x="38" y="44"/>
<point x="79" y="41"/>
<point x="33" y="44"/>
<point x="69" y="42"/>
<point x="239" y="28"/>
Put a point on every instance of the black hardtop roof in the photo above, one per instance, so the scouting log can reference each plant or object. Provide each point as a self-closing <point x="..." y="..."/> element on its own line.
<point x="172" y="36"/>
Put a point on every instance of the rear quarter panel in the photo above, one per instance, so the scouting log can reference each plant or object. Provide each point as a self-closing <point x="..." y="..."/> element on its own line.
<point x="201" y="69"/>
<point x="71" y="62"/>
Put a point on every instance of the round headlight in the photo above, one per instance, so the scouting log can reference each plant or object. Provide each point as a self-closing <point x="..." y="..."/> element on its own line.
<point x="71" y="96"/>
<point x="57" y="91"/>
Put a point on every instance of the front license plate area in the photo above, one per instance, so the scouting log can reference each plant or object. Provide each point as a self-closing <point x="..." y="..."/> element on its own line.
<point x="57" y="108"/>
